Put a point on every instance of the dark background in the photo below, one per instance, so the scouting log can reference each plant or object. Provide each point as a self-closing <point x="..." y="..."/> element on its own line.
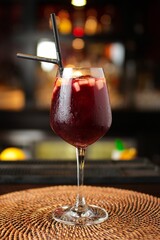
<point x="135" y="25"/>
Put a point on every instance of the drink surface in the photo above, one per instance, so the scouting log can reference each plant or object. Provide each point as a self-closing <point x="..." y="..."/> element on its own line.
<point x="80" y="110"/>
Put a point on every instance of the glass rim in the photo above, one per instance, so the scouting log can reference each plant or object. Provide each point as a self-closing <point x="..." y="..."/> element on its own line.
<point x="83" y="68"/>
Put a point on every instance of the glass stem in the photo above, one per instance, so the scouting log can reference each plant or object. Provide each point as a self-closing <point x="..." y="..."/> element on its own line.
<point x="80" y="205"/>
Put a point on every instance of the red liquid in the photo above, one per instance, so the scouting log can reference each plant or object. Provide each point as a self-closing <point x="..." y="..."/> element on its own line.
<point x="80" y="110"/>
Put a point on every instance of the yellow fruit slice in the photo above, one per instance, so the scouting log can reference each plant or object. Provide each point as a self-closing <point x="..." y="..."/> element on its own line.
<point x="12" y="154"/>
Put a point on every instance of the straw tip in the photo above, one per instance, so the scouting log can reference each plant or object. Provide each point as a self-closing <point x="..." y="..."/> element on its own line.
<point x="19" y="55"/>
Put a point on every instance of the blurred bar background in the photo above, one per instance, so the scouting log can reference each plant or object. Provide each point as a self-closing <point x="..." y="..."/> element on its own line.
<point x="121" y="36"/>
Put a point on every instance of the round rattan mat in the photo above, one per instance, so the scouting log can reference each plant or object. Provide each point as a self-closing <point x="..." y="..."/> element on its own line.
<point x="27" y="215"/>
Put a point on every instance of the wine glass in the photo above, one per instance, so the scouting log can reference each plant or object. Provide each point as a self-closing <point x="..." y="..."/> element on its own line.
<point x="80" y="114"/>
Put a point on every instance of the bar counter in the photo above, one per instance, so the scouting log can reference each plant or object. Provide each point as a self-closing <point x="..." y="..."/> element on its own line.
<point x="138" y="174"/>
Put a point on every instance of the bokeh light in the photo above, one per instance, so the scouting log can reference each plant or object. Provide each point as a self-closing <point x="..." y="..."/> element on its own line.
<point x="78" y="3"/>
<point x="78" y="31"/>
<point x="46" y="48"/>
<point x="78" y="43"/>
<point x="91" y="25"/>
<point x="115" y="52"/>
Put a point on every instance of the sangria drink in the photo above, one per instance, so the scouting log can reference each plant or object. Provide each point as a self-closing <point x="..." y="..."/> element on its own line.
<point x="80" y="114"/>
<point x="80" y="109"/>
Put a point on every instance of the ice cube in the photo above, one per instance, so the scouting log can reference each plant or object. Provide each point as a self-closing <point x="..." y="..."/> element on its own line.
<point x="76" y="86"/>
<point x="91" y="81"/>
<point x="99" y="84"/>
<point x="83" y="82"/>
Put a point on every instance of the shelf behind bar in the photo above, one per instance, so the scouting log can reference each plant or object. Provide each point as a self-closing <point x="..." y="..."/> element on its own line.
<point x="142" y="126"/>
<point x="97" y="171"/>
<point x="124" y="121"/>
<point x="138" y="174"/>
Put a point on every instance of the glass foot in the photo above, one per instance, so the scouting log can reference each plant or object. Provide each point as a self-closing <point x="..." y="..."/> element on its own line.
<point x="92" y="215"/>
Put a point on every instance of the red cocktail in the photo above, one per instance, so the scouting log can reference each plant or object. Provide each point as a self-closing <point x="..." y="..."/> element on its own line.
<point x="80" y="114"/>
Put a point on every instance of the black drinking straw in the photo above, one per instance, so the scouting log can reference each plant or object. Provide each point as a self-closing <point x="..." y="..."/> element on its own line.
<point x="37" y="58"/>
<point x="57" y="42"/>
<point x="58" y="49"/>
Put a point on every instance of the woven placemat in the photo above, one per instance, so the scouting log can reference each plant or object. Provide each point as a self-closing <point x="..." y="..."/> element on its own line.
<point x="27" y="215"/>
